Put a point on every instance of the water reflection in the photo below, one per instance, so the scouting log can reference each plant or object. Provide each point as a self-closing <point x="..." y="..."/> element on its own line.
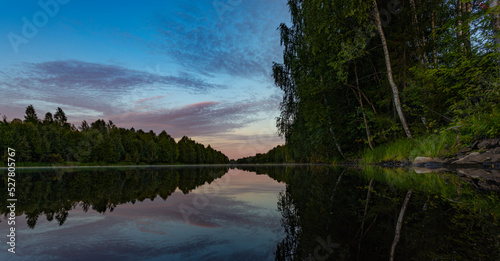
<point x="254" y="213"/>
<point x="352" y="214"/>
<point x="54" y="193"/>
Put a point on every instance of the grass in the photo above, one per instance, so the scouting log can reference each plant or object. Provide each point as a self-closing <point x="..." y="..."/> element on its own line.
<point x="447" y="186"/>
<point x="435" y="145"/>
<point x="445" y="143"/>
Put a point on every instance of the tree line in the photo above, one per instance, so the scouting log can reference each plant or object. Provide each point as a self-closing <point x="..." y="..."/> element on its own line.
<point x="53" y="139"/>
<point x="358" y="74"/>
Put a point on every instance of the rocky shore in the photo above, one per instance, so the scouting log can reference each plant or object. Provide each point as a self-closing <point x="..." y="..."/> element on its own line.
<point x="478" y="164"/>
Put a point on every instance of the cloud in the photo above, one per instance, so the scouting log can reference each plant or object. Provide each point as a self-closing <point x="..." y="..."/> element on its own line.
<point x="149" y="99"/>
<point x="198" y="119"/>
<point x="236" y="40"/>
<point x="91" y="86"/>
<point x="79" y="75"/>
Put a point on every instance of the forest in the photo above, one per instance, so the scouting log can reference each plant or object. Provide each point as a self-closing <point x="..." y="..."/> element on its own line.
<point x="357" y="75"/>
<point x="54" y="140"/>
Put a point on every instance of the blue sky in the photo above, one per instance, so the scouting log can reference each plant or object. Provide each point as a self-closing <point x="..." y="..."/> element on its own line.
<point x="195" y="68"/>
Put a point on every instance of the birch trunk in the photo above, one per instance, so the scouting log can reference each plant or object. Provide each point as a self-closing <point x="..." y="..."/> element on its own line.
<point x="395" y="92"/>
<point x="397" y="233"/>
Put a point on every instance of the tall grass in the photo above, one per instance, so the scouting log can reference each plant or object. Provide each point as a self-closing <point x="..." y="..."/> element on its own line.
<point x="436" y="145"/>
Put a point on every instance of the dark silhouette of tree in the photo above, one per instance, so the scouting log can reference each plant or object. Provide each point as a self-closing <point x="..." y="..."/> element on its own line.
<point x="30" y="115"/>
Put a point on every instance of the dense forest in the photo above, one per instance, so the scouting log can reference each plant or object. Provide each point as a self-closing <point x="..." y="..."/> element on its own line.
<point x="360" y="74"/>
<point x="54" y="140"/>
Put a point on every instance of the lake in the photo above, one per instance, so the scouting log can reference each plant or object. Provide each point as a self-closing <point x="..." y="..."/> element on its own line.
<point x="248" y="213"/>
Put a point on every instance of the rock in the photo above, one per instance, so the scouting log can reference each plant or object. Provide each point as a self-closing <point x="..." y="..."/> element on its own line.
<point x="473" y="173"/>
<point x="488" y="143"/>
<point x="464" y="150"/>
<point x="420" y="170"/>
<point x="488" y="186"/>
<point x="428" y="162"/>
<point x="421" y="160"/>
<point x="472" y="159"/>
<point x="433" y="165"/>
<point x="496" y="150"/>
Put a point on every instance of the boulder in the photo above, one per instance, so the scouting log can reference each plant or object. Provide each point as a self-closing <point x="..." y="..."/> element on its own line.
<point x="428" y="162"/>
<point x="496" y="150"/>
<point x="472" y="173"/>
<point x="465" y="150"/>
<point x="488" y="186"/>
<point x="434" y="164"/>
<point x="421" y="161"/>
<point x="421" y="170"/>
<point x="472" y="159"/>
<point x="488" y="143"/>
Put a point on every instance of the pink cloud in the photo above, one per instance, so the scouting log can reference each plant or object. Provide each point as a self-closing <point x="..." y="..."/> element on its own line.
<point x="149" y="99"/>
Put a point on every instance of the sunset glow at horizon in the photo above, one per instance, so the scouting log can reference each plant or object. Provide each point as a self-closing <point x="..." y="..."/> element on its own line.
<point x="200" y="69"/>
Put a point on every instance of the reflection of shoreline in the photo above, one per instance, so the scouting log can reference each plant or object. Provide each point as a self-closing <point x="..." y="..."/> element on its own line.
<point x="55" y="192"/>
<point x="323" y="217"/>
<point x="125" y="166"/>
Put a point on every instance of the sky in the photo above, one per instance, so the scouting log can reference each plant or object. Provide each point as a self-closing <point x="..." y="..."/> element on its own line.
<point x="195" y="68"/>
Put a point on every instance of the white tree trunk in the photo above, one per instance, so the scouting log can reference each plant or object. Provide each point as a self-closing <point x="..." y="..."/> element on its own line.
<point x="397" y="233"/>
<point x="395" y="92"/>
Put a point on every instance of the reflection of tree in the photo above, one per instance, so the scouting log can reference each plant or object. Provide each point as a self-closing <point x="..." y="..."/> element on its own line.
<point x="54" y="194"/>
<point x="289" y="220"/>
<point x="325" y="221"/>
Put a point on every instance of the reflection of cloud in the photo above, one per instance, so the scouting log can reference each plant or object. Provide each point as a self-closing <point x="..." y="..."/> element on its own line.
<point x="246" y="230"/>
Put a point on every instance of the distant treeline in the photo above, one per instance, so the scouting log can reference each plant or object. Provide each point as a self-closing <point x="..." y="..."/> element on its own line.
<point x="278" y="154"/>
<point x="53" y="139"/>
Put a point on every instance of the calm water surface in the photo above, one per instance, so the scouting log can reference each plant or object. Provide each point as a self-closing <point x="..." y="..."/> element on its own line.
<point x="250" y="213"/>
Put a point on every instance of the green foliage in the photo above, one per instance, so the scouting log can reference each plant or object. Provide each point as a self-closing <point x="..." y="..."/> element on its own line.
<point x="278" y="154"/>
<point x="335" y="95"/>
<point x="481" y="125"/>
<point x="56" y="141"/>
